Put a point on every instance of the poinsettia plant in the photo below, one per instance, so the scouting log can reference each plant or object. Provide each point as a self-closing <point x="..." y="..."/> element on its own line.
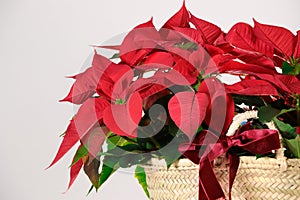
<point x="162" y="95"/>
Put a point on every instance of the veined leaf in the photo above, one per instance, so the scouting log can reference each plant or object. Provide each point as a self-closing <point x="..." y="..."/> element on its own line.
<point x="187" y="46"/>
<point x="106" y="172"/>
<point x="252" y="87"/>
<point x="294" y="146"/>
<point x="187" y="110"/>
<point x="180" y="19"/>
<point x="91" y="170"/>
<point x="297" y="47"/>
<point x="242" y="35"/>
<point x="123" y="119"/>
<point x="80" y="153"/>
<point x="86" y="82"/>
<point x="82" y="124"/>
<point x="209" y="31"/>
<point x="267" y="113"/>
<point x="116" y="55"/>
<point x="75" y="169"/>
<point x="286" y="130"/>
<point x="287" y="68"/>
<point x="129" y="160"/>
<point x="278" y="37"/>
<point x="140" y="175"/>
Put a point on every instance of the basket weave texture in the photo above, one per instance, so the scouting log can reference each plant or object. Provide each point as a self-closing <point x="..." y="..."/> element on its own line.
<point x="264" y="178"/>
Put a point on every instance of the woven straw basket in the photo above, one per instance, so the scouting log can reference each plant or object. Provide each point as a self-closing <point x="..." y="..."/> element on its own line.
<point x="264" y="178"/>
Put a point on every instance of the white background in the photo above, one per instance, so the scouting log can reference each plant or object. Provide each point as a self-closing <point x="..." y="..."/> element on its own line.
<point x="41" y="41"/>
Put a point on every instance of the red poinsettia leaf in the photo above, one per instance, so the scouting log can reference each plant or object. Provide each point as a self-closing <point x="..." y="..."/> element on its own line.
<point x="187" y="70"/>
<point x="190" y="34"/>
<point x="180" y="19"/>
<point x="87" y="117"/>
<point x="213" y="50"/>
<point x="94" y="140"/>
<point x="278" y="37"/>
<point x="159" y="92"/>
<point x="138" y="43"/>
<point x="78" y="94"/>
<point x="290" y="81"/>
<point x="172" y="48"/>
<point x="133" y="58"/>
<point x="75" y="169"/>
<point x="253" y="58"/>
<point x="187" y="110"/>
<point x="99" y="62"/>
<point x="199" y="59"/>
<point x="155" y="88"/>
<point x="209" y="86"/>
<point x="160" y="58"/>
<point x="297" y="46"/>
<point x="295" y="87"/>
<point x="214" y="62"/>
<point x="287" y="79"/>
<point x="115" y="74"/>
<point x="172" y="77"/>
<point x="134" y="108"/>
<point x="122" y="84"/>
<point x="112" y="47"/>
<point x="123" y="119"/>
<point x="242" y="35"/>
<point x="236" y="67"/>
<point x="86" y="82"/>
<point x="89" y="114"/>
<point x="209" y="31"/>
<point x="146" y="87"/>
<point x="221" y="41"/>
<point x="278" y="61"/>
<point x="221" y="112"/>
<point x="70" y="139"/>
<point x="221" y="106"/>
<point x="252" y="87"/>
<point x="277" y="80"/>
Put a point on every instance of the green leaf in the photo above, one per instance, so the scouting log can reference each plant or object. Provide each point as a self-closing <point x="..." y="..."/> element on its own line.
<point x="91" y="169"/>
<point x="105" y="154"/>
<point x="120" y="101"/>
<point x="294" y="146"/>
<point x="118" y="141"/>
<point x="297" y="69"/>
<point x="80" y="153"/>
<point x="293" y="68"/>
<point x="187" y="45"/>
<point x="267" y="113"/>
<point x="63" y="134"/>
<point x="287" y="68"/>
<point x="170" y="152"/>
<point x="106" y="172"/>
<point x="109" y="166"/>
<point x="286" y="130"/>
<point x="140" y="175"/>
<point x="90" y="190"/>
<point x="130" y="160"/>
<point x="116" y="55"/>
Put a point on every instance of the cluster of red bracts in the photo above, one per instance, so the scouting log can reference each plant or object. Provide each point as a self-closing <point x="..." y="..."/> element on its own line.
<point x="113" y="96"/>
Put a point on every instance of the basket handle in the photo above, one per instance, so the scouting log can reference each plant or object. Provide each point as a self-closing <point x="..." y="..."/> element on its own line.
<point x="239" y="118"/>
